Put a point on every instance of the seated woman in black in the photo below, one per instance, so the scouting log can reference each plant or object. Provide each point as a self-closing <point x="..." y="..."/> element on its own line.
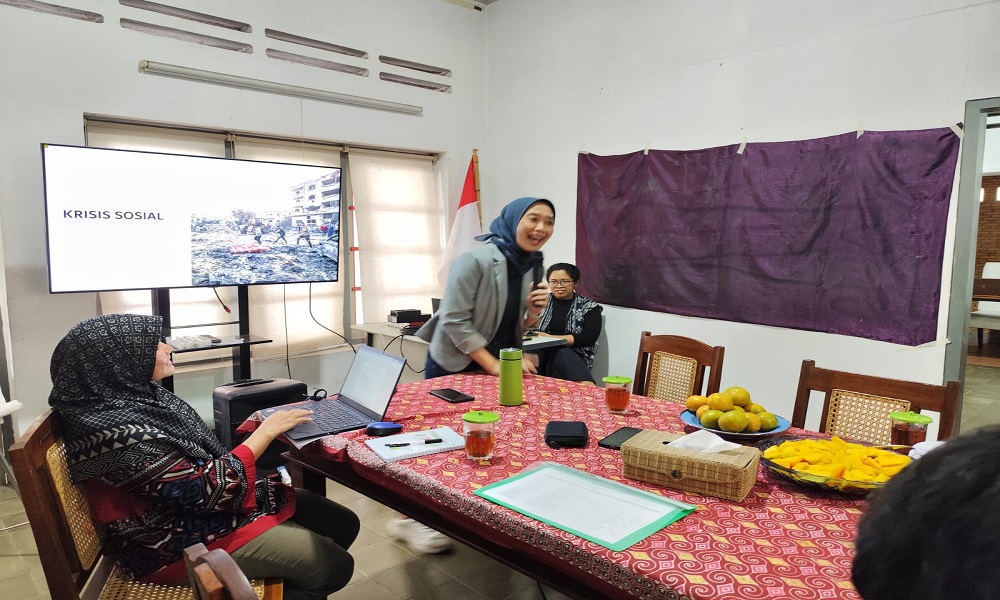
<point x="574" y="318"/>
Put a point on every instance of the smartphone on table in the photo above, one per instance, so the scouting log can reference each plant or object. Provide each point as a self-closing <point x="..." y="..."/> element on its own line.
<point x="453" y="396"/>
<point x="617" y="438"/>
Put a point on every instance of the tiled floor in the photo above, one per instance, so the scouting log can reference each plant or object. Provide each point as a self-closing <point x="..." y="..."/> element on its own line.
<point x="384" y="569"/>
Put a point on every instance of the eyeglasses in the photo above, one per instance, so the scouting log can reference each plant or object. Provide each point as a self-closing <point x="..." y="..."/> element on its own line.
<point x="560" y="282"/>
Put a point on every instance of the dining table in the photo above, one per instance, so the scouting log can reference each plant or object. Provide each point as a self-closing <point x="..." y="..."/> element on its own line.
<point x="781" y="541"/>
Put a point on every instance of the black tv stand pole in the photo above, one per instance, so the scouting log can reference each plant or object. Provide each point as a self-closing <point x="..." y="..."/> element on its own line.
<point x="240" y="344"/>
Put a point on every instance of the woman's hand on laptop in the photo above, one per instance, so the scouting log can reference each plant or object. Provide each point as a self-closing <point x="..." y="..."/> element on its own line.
<point x="274" y="425"/>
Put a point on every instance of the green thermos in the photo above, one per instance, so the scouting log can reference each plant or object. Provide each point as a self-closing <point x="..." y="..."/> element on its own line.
<point x="511" y="382"/>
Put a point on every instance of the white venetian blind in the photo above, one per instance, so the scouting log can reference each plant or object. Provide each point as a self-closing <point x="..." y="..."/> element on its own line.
<point x="398" y="232"/>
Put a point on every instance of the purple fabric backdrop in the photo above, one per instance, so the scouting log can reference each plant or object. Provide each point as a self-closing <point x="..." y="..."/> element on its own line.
<point x="840" y="234"/>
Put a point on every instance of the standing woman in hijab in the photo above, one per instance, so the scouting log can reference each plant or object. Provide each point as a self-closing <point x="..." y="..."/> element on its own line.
<point x="490" y="298"/>
<point x="159" y="479"/>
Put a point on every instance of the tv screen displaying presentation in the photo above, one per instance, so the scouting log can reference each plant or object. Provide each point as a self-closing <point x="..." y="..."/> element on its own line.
<point x="124" y="220"/>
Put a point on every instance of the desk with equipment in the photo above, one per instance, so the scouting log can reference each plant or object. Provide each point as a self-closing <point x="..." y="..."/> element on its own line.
<point x="779" y="541"/>
<point x="378" y="335"/>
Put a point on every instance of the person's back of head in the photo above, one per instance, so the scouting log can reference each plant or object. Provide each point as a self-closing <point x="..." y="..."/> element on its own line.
<point x="934" y="530"/>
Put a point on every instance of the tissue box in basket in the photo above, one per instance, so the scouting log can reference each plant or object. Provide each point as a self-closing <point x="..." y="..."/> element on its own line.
<point x="728" y="474"/>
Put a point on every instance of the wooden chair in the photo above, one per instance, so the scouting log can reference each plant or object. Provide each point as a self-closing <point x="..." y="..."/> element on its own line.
<point x="858" y="406"/>
<point x="68" y="537"/>
<point x="987" y="315"/>
<point x="215" y="575"/>
<point x="671" y="367"/>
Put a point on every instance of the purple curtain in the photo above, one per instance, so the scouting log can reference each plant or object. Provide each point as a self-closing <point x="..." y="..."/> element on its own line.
<point x="840" y="234"/>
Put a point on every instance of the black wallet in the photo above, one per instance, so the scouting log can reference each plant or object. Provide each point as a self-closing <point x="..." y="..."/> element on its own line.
<point x="566" y="434"/>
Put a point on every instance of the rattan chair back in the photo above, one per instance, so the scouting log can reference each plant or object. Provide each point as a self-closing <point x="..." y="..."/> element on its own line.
<point x="858" y="406"/>
<point x="671" y="377"/>
<point x="69" y="538"/>
<point x="862" y="417"/>
<point x="708" y="364"/>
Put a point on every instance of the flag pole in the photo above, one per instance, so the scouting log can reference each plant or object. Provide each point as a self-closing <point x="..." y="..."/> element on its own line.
<point x="475" y="173"/>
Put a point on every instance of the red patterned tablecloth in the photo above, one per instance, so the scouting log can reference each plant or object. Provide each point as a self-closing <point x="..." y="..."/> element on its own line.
<point x="779" y="542"/>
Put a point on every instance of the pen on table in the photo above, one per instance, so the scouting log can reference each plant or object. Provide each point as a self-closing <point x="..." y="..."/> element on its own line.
<point x="401" y="444"/>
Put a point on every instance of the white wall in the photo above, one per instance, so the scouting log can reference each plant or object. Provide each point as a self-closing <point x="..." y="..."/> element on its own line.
<point x="616" y="77"/>
<point x="991" y="153"/>
<point x="54" y="70"/>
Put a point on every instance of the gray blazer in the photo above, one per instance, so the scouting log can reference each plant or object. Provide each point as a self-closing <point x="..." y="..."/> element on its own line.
<point x="472" y="307"/>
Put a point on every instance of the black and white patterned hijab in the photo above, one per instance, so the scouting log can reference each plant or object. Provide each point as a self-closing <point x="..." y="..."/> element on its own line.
<point x="110" y="410"/>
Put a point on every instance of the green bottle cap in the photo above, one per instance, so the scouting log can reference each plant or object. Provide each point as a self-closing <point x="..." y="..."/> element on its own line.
<point x="480" y="416"/>
<point x="617" y="380"/>
<point x="911" y="417"/>
<point x="510" y="354"/>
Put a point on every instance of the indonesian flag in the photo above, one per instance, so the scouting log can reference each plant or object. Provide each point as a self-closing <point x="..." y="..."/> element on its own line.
<point x="465" y="228"/>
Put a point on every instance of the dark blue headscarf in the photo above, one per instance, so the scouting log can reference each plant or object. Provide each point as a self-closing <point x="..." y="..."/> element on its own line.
<point x="503" y="233"/>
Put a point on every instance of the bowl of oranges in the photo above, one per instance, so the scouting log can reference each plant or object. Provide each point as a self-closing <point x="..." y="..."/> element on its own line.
<point x="831" y="464"/>
<point x="732" y="415"/>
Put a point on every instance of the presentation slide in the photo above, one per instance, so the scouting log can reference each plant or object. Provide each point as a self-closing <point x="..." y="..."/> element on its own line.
<point x="121" y="220"/>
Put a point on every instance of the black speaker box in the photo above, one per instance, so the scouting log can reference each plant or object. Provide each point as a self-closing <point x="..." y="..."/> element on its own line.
<point x="235" y="401"/>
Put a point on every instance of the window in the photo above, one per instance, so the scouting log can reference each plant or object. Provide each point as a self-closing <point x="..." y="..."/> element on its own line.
<point x="398" y="232"/>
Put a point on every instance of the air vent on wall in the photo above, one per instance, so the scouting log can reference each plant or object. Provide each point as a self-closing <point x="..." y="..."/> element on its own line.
<point x="318" y="44"/>
<point x="316" y="62"/>
<point x="409" y="64"/>
<point x="190" y="15"/>
<point x="55" y="9"/>
<point x="186" y="36"/>
<point x="412" y="81"/>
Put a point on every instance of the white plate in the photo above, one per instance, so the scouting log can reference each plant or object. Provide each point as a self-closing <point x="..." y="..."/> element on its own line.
<point x="691" y="419"/>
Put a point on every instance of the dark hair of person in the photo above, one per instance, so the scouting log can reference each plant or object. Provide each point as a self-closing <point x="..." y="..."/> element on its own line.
<point x="571" y="270"/>
<point x="933" y="531"/>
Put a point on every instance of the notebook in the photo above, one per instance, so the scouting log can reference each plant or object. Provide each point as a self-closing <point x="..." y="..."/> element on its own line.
<point x="416" y="443"/>
<point x="363" y="399"/>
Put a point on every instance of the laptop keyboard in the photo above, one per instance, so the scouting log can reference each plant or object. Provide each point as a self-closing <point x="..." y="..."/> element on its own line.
<point x="333" y="417"/>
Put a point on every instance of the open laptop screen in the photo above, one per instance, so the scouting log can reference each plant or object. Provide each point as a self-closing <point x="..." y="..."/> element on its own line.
<point x="371" y="379"/>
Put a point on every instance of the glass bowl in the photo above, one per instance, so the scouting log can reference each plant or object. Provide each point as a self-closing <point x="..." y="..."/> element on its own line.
<point x="811" y="480"/>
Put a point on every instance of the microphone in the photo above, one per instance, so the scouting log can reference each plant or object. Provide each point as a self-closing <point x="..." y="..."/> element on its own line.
<point x="538" y="270"/>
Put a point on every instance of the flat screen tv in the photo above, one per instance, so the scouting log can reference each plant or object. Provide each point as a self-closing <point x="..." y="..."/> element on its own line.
<point x="125" y="220"/>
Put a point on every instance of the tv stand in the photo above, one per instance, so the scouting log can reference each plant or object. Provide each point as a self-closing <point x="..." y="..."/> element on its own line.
<point x="239" y="343"/>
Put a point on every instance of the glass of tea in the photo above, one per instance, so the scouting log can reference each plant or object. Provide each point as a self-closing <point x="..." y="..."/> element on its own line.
<point x="616" y="394"/>
<point x="909" y="428"/>
<point x="480" y="434"/>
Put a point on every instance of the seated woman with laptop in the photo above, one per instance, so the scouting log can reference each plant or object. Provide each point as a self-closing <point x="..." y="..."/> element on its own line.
<point x="161" y="481"/>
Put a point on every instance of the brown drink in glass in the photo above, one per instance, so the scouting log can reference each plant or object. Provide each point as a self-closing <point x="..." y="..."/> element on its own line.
<point x="616" y="394"/>
<point x="479" y="427"/>
<point x="908" y="428"/>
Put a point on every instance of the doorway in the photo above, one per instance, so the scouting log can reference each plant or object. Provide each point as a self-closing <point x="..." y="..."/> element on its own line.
<point x="981" y="382"/>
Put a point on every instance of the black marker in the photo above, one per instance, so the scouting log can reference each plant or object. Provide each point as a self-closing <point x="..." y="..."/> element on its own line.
<point x="397" y="445"/>
<point x="434" y="441"/>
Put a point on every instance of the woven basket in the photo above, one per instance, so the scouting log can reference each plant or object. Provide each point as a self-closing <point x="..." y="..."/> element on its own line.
<point x="729" y="474"/>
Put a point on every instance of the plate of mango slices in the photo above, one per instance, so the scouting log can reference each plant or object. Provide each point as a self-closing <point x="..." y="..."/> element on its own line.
<point x="832" y="464"/>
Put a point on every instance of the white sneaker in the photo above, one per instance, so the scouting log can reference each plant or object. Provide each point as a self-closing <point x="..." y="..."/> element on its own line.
<point x="417" y="536"/>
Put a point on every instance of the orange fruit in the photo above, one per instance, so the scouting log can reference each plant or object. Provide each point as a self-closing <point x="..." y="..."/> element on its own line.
<point x="741" y="397"/>
<point x="710" y="418"/>
<point x="753" y="423"/>
<point x="701" y="410"/>
<point x="693" y="402"/>
<point x="767" y="421"/>
<point x="720" y="401"/>
<point x="755" y="408"/>
<point x="733" y="421"/>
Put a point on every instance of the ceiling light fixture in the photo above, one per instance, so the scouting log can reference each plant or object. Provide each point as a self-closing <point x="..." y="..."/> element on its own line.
<point x="259" y="85"/>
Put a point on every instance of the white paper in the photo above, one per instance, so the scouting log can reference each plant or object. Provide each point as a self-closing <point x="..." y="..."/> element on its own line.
<point x="584" y="504"/>
<point x="702" y="441"/>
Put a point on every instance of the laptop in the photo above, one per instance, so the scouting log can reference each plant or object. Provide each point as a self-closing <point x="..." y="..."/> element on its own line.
<point x="363" y="399"/>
